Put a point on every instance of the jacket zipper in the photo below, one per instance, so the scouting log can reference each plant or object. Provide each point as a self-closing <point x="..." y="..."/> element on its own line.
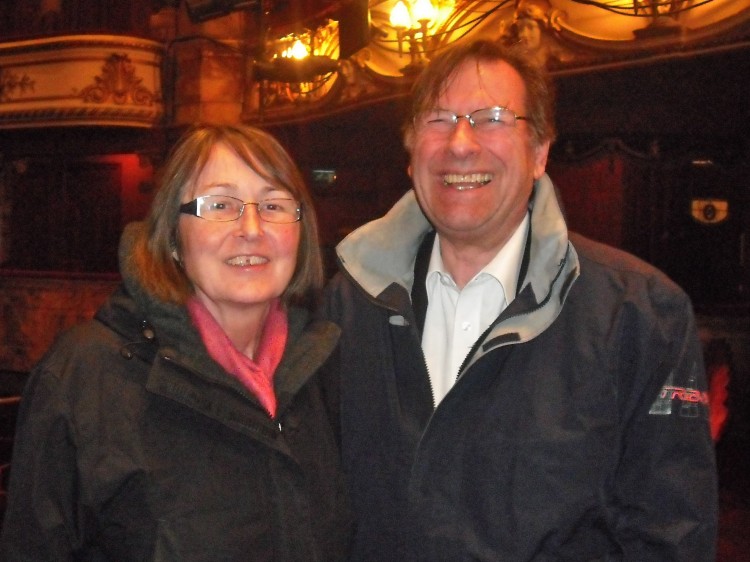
<point x="276" y="423"/>
<point x="497" y="321"/>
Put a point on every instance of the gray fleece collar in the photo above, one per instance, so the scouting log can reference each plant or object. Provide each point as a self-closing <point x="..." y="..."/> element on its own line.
<point x="383" y="251"/>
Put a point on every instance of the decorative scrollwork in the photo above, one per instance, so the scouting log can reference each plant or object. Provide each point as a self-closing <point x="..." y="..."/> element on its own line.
<point x="11" y="85"/>
<point x="118" y="84"/>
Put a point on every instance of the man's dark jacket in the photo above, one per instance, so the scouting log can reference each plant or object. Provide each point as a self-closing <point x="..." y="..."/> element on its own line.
<point x="577" y="427"/>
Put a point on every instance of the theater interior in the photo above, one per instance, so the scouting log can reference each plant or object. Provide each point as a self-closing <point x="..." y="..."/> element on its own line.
<point x="652" y="153"/>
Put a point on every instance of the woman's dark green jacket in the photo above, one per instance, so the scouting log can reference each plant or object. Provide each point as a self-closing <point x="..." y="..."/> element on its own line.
<point x="133" y="444"/>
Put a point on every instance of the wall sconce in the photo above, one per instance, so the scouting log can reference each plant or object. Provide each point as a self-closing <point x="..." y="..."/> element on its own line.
<point x="294" y="61"/>
<point x="290" y="69"/>
<point x="411" y="22"/>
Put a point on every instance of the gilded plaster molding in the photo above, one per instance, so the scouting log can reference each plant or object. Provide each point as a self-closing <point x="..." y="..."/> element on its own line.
<point x="81" y="80"/>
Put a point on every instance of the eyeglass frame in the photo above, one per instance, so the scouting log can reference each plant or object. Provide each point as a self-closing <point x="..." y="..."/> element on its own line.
<point x="469" y="116"/>
<point x="192" y="208"/>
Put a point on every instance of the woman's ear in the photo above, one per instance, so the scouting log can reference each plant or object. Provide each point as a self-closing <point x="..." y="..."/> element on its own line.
<point x="175" y="253"/>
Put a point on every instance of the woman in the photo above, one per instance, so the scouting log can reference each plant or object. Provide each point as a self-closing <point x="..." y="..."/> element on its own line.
<point x="191" y="419"/>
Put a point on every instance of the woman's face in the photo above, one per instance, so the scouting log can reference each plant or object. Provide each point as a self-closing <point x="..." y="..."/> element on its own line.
<point x="240" y="265"/>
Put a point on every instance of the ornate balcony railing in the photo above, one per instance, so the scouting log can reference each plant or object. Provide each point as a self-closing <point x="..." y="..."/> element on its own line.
<point x="81" y="80"/>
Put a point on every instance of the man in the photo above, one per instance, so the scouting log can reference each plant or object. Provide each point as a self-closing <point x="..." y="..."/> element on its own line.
<point x="511" y="391"/>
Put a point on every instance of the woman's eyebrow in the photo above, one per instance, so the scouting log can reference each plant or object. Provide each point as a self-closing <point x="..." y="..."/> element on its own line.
<point x="226" y="184"/>
<point x="268" y="191"/>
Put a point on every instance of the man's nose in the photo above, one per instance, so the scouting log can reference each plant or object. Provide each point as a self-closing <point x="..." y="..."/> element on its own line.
<point x="463" y="139"/>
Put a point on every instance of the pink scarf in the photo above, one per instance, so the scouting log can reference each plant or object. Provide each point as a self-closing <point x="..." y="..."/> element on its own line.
<point x="257" y="376"/>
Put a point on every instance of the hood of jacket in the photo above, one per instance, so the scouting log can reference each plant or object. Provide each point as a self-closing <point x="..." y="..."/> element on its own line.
<point x="382" y="253"/>
<point x="152" y="326"/>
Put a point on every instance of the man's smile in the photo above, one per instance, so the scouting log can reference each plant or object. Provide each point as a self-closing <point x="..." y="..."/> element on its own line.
<point x="462" y="182"/>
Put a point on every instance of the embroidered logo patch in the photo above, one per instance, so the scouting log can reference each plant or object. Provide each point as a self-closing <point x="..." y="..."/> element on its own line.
<point x="687" y="400"/>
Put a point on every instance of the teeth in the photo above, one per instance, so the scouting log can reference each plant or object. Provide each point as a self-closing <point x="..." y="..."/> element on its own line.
<point x="466" y="181"/>
<point x="247" y="260"/>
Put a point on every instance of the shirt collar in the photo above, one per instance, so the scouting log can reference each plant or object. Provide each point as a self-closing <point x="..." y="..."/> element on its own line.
<point x="504" y="267"/>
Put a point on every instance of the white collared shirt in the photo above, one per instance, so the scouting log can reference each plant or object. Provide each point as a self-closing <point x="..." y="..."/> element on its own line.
<point x="457" y="317"/>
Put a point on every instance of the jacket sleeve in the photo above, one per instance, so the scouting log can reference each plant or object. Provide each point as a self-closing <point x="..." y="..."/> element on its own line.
<point x="40" y="519"/>
<point x="665" y="486"/>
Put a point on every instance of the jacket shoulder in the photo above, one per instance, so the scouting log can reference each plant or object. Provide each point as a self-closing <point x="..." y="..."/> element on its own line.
<point x="82" y="340"/>
<point x="81" y="358"/>
<point x="599" y="260"/>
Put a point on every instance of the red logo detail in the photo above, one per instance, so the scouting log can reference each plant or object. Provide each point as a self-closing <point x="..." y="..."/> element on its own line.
<point x="684" y="394"/>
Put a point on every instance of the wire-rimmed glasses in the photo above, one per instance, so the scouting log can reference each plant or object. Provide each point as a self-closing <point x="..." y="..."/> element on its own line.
<point x="223" y="208"/>
<point x="486" y="120"/>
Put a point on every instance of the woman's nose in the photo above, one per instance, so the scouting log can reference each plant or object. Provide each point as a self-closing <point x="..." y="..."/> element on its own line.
<point x="249" y="222"/>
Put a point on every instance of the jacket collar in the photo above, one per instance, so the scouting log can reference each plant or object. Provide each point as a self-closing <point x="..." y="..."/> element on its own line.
<point x="155" y="330"/>
<point x="383" y="252"/>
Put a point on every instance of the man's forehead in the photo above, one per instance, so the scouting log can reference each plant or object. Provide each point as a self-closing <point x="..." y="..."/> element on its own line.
<point x="494" y="80"/>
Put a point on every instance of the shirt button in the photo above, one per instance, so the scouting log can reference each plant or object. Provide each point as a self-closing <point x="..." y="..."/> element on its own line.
<point x="466" y="326"/>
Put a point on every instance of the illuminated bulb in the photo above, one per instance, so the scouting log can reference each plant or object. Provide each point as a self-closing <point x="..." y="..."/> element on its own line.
<point x="298" y="50"/>
<point x="424" y="11"/>
<point x="400" y="16"/>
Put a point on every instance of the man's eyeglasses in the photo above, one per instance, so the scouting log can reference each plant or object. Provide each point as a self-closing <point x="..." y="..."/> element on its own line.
<point x="487" y="120"/>
<point x="224" y="208"/>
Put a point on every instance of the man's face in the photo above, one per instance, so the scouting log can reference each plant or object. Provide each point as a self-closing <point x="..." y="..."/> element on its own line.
<point x="475" y="186"/>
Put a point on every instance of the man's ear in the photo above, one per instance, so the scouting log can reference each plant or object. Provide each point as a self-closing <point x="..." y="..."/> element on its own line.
<point x="540" y="159"/>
